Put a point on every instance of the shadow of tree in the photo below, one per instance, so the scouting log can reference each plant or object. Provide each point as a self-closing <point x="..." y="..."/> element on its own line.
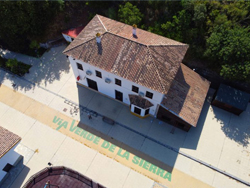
<point x="44" y="70"/>
<point x="235" y="127"/>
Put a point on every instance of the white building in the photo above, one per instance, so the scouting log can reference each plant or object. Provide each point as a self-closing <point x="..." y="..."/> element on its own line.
<point x="8" y="157"/>
<point x="138" y="68"/>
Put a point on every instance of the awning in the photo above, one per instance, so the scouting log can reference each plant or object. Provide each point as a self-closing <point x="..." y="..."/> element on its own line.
<point x="140" y="101"/>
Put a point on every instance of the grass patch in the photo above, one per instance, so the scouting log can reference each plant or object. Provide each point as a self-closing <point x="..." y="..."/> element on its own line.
<point x="14" y="66"/>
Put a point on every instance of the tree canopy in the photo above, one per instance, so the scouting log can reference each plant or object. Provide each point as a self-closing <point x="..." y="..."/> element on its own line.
<point x="23" y="21"/>
<point x="129" y="14"/>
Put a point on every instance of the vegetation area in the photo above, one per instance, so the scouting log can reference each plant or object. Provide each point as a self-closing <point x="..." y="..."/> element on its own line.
<point x="217" y="31"/>
<point x="14" y="66"/>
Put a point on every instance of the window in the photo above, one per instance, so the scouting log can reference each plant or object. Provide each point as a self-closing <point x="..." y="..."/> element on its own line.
<point x="137" y="110"/>
<point x="149" y="94"/>
<point x="147" y="112"/>
<point x="118" y="82"/>
<point x="98" y="74"/>
<point x="135" y="89"/>
<point x="79" y="66"/>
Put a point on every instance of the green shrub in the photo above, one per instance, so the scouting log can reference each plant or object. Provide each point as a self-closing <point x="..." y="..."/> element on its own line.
<point x="12" y="64"/>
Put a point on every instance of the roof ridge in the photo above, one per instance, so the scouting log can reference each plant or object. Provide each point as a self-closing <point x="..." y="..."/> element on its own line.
<point x="125" y="38"/>
<point x="171" y="45"/>
<point x="101" y="22"/>
<point x="80" y="44"/>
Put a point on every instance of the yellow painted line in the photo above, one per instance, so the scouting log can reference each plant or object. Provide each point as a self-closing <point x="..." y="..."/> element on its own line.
<point x="154" y="169"/>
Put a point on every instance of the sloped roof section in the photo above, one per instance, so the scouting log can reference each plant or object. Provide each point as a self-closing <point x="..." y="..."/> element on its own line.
<point x="88" y="33"/>
<point x="186" y="95"/>
<point x="143" y="37"/>
<point x="149" y="60"/>
<point x="140" y="101"/>
<point x="7" y="141"/>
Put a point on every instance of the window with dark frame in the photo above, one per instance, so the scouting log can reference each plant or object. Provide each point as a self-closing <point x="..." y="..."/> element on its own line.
<point x="149" y="94"/>
<point x="137" y="111"/>
<point x="147" y="112"/>
<point x="98" y="74"/>
<point x="118" y="82"/>
<point x="135" y="89"/>
<point x="79" y="66"/>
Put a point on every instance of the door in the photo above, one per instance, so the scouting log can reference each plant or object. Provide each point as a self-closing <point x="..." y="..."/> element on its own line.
<point x="118" y="95"/>
<point x="92" y="84"/>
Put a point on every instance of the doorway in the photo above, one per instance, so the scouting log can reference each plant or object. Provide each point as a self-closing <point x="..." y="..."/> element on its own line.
<point x="92" y="84"/>
<point x="118" y="95"/>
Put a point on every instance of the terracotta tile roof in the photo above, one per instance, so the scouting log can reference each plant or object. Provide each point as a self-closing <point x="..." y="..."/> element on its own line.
<point x="136" y="59"/>
<point x="7" y="141"/>
<point x="186" y="95"/>
<point x="144" y="37"/>
<point x="140" y="101"/>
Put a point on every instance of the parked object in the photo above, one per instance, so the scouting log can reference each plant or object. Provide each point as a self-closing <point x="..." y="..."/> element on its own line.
<point x="231" y="99"/>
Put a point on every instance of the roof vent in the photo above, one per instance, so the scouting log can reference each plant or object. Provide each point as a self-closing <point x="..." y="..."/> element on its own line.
<point x="107" y="80"/>
<point x="88" y="72"/>
<point x="98" y="37"/>
<point x="134" y="29"/>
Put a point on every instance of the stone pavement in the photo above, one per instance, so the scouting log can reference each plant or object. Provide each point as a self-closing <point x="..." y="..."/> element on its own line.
<point x="216" y="140"/>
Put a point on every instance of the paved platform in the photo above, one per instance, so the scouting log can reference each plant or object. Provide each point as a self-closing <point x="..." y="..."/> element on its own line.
<point x="220" y="139"/>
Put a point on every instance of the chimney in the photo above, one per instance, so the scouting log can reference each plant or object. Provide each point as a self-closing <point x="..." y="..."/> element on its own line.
<point x="98" y="37"/>
<point x="134" y="29"/>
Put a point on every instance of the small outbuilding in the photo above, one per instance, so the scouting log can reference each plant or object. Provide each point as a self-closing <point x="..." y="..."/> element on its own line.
<point x="8" y="156"/>
<point x="71" y="34"/>
<point x="231" y="99"/>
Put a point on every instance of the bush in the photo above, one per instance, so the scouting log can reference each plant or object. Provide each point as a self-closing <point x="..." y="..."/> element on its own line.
<point x="12" y="64"/>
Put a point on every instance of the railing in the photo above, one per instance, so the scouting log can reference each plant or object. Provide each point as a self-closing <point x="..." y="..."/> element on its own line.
<point x="60" y="170"/>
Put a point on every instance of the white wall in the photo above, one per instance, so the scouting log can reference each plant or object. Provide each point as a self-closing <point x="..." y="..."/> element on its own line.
<point x="10" y="157"/>
<point x="109" y="89"/>
<point x="67" y="38"/>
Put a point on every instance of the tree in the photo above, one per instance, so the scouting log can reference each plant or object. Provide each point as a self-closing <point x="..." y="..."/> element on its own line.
<point x="230" y="49"/>
<point x="129" y="14"/>
<point x="24" y="21"/>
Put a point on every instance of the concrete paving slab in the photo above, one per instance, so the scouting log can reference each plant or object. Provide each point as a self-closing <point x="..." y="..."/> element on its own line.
<point x="16" y="122"/>
<point x="3" y="109"/>
<point x="42" y="139"/>
<point x="105" y="106"/>
<point x="162" y="132"/>
<point x="142" y="125"/>
<point x="84" y="96"/>
<point x="135" y="180"/>
<point x="159" y="152"/>
<point x="220" y="181"/>
<point x="126" y="136"/>
<point x="101" y="166"/>
<point x="70" y="91"/>
<point x="74" y="155"/>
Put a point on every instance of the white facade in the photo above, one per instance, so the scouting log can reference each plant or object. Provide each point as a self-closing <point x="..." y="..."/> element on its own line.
<point x="110" y="89"/>
<point x="67" y="38"/>
<point x="10" y="157"/>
